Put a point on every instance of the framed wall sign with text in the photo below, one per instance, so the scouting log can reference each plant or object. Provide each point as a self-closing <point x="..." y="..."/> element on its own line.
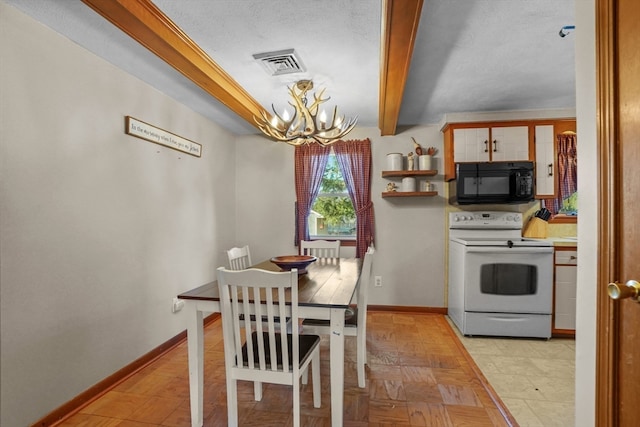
<point x="156" y="135"/>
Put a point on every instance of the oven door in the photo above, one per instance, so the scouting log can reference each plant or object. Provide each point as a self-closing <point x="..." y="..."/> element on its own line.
<point x="508" y="280"/>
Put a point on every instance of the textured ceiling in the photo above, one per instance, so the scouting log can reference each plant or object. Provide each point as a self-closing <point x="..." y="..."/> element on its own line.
<point x="469" y="55"/>
<point x="490" y="55"/>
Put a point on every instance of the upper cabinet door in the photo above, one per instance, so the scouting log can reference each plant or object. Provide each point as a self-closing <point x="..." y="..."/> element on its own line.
<point x="510" y="143"/>
<point x="471" y="145"/>
<point x="545" y="162"/>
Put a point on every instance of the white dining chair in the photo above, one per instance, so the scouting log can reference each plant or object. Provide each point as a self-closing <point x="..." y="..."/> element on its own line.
<point x="355" y="323"/>
<point x="239" y="258"/>
<point x="322" y="249"/>
<point x="256" y="350"/>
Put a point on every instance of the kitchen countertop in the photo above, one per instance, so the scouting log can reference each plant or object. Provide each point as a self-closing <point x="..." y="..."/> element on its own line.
<point x="562" y="241"/>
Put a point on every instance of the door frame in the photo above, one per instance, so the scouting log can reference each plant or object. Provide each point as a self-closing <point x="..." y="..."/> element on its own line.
<point x="608" y="213"/>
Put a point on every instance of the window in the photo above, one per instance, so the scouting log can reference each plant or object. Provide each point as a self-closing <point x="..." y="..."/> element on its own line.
<point x="332" y="214"/>
<point x="354" y="162"/>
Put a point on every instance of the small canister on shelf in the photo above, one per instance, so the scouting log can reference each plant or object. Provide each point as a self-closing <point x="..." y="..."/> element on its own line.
<point x="394" y="161"/>
<point x="408" y="184"/>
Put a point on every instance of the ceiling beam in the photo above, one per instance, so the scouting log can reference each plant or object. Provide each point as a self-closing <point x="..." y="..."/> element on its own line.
<point x="148" y="25"/>
<point x="399" y="31"/>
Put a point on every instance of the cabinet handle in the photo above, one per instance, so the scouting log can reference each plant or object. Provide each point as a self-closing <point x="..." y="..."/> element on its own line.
<point x="486" y="150"/>
<point x="495" y="145"/>
<point x="550" y="169"/>
<point x="573" y="257"/>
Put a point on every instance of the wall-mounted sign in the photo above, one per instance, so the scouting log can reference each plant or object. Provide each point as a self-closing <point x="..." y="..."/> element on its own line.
<point x="151" y="133"/>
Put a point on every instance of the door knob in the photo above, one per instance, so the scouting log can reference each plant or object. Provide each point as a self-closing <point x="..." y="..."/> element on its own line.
<point x="631" y="289"/>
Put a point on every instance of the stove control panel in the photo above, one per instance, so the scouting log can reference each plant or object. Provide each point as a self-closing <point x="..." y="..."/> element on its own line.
<point x="486" y="219"/>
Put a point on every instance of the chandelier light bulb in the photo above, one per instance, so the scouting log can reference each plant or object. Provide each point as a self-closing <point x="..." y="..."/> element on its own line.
<point x="323" y="119"/>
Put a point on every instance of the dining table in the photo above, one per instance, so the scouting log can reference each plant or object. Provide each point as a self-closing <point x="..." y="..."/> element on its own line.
<point x="325" y="291"/>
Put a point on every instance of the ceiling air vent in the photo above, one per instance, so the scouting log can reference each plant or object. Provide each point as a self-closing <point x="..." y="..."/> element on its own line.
<point x="280" y="62"/>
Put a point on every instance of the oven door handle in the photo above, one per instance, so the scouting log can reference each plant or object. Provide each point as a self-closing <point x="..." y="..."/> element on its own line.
<point x="503" y="250"/>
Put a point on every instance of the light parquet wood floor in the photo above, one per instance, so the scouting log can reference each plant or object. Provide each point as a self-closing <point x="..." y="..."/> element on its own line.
<point x="418" y="374"/>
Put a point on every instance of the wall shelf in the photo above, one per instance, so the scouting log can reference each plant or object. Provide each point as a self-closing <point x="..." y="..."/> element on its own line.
<point x="409" y="193"/>
<point x="402" y="174"/>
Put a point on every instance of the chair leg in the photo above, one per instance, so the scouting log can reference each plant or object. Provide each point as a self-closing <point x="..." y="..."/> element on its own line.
<point x="361" y="358"/>
<point x="296" y="402"/>
<point x="232" y="402"/>
<point x="305" y="375"/>
<point x="257" y="391"/>
<point x="315" y="377"/>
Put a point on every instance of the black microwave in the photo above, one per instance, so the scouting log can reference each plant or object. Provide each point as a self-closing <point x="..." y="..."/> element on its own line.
<point x="494" y="182"/>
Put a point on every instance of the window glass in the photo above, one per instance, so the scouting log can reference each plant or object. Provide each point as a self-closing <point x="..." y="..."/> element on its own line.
<point x="570" y="205"/>
<point x="332" y="214"/>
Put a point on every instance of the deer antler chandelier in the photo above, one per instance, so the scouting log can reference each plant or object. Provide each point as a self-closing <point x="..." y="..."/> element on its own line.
<point x="305" y="126"/>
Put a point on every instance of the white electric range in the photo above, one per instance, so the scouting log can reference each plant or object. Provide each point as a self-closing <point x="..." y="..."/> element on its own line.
<point x="500" y="284"/>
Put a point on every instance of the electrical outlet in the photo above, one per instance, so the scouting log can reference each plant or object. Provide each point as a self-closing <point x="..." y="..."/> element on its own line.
<point x="177" y="305"/>
<point x="378" y="281"/>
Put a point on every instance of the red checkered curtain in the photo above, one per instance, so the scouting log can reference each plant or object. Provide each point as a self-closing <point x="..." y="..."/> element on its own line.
<point x="310" y="162"/>
<point x="567" y="171"/>
<point x="354" y="159"/>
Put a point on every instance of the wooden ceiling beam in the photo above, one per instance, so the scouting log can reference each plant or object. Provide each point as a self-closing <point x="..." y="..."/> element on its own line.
<point x="148" y="25"/>
<point x="399" y="31"/>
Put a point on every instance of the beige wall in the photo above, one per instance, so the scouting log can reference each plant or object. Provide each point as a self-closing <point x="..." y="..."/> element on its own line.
<point x="98" y="230"/>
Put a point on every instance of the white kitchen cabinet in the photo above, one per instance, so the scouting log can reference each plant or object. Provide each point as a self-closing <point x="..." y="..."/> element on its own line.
<point x="566" y="267"/>
<point x="509" y="143"/>
<point x="545" y="161"/>
<point x="471" y="145"/>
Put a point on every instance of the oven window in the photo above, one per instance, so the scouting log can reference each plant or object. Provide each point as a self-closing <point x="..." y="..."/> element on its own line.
<point x="508" y="279"/>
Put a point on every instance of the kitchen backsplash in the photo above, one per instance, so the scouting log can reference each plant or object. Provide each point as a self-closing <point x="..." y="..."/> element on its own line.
<point x="562" y="230"/>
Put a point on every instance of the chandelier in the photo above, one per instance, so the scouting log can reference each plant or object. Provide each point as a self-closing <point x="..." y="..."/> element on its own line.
<point x="305" y="127"/>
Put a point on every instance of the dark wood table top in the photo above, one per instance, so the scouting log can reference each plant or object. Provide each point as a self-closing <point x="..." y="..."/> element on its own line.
<point x="326" y="283"/>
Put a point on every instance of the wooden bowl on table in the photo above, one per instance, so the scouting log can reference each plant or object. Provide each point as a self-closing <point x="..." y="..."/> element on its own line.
<point x="288" y="262"/>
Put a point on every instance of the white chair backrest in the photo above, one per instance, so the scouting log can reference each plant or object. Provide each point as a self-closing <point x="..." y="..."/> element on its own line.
<point x="320" y="248"/>
<point x="259" y="295"/>
<point x="239" y="258"/>
<point x="364" y="283"/>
